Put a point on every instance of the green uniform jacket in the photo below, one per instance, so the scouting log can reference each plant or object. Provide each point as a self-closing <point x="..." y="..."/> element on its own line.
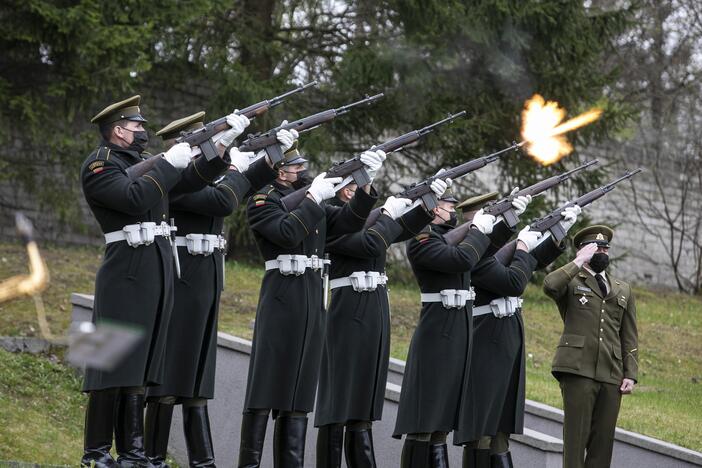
<point x="599" y="338"/>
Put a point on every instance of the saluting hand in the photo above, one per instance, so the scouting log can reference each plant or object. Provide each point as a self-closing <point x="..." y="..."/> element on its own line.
<point x="585" y="254"/>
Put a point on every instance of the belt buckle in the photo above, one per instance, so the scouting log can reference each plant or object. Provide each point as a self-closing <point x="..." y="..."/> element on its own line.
<point x="372" y="278"/>
<point x="194" y="243"/>
<point x="358" y="281"/>
<point x="315" y="262"/>
<point x="132" y="234"/>
<point x="448" y="298"/>
<point x="209" y="243"/>
<point x="148" y="232"/>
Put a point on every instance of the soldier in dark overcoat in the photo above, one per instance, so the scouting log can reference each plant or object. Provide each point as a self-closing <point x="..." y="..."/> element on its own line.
<point x="596" y="360"/>
<point x="494" y="394"/>
<point x="134" y="285"/>
<point x="191" y="346"/>
<point x="290" y="319"/>
<point x="357" y="342"/>
<point x="437" y="358"/>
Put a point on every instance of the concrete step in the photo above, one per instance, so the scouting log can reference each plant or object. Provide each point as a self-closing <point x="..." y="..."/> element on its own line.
<point x="539" y="446"/>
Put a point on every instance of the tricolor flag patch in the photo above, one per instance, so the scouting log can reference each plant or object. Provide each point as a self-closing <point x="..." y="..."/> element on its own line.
<point x="260" y="199"/>
<point x="96" y="166"/>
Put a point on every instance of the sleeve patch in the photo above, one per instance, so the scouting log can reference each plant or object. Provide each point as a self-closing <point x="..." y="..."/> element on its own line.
<point x="260" y="199"/>
<point x="423" y="237"/>
<point x="96" y="166"/>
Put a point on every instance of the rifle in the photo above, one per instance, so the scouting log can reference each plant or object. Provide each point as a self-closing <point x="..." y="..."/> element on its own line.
<point x="268" y="141"/>
<point x="354" y="167"/>
<point x="504" y="207"/>
<point x="551" y="222"/>
<point x="202" y="138"/>
<point x="422" y="190"/>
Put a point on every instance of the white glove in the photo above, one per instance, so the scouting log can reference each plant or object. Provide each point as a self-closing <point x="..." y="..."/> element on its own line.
<point x="395" y="207"/>
<point x="373" y="160"/>
<point x="240" y="159"/>
<point x="585" y="254"/>
<point x="286" y="138"/>
<point x="570" y="216"/>
<point x="323" y="189"/>
<point x="237" y="123"/>
<point x="483" y="222"/>
<point x="178" y="155"/>
<point x="520" y="203"/>
<point x="530" y="238"/>
<point x="439" y="186"/>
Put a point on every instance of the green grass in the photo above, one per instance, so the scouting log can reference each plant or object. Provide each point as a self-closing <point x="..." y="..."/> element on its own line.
<point x="665" y="405"/>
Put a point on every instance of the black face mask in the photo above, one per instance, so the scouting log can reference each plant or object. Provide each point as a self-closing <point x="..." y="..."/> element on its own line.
<point x="140" y="141"/>
<point x="303" y="179"/>
<point x="599" y="262"/>
<point x="453" y="219"/>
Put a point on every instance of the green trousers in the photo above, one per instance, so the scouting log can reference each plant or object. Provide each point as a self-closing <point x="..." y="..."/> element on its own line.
<point x="591" y="409"/>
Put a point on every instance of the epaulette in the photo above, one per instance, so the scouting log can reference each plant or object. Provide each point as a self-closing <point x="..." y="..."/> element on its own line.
<point x="103" y="153"/>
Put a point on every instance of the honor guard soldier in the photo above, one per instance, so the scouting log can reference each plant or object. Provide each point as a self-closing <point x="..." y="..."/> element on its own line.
<point x="290" y="319"/>
<point x="357" y="340"/>
<point x="597" y="356"/>
<point x="134" y="285"/>
<point x="437" y="358"/>
<point x="494" y="391"/>
<point x="191" y="345"/>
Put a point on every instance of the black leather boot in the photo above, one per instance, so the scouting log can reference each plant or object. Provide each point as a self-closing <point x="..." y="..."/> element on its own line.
<point x="476" y="458"/>
<point x="289" y="441"/>
<point x="99" y="421"/>
<point x="253" y="434"/>
<point x="415" y="454"/>
<point x="198" y="438"/>
<point x="438" y="456"/>
<point x="330" y="439"/>
<point x="129" y="431"/>
<point x="358" y="448"/>
<point x="501" y="460"/>
<point x="157" y="429"/>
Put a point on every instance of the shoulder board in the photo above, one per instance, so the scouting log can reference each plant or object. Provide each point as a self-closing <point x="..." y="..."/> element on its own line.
<point x="103" y="153"/>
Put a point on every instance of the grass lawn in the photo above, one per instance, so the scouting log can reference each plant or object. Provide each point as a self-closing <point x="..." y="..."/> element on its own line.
<point x="666" y="403"/>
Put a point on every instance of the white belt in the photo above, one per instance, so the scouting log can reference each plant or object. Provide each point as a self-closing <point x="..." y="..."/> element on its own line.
<point x="140" y="233"/>
<point x="500" y="307"/>
<point x="450" y="298"/>
<point x="295" y="264"/>
<point x="202" y="244"/>
<point x="361" y="281"/>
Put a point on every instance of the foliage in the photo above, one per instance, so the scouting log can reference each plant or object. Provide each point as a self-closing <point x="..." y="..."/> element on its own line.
<point x="64" y="60"/>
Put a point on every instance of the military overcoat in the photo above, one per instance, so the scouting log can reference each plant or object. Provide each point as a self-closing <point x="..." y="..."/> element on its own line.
<point x="357" y="340"/>
<point x="191" y="348"/>
<point x="134" y="285"/>
<point x="437" y="360"/>
<point x="290" y="318"/>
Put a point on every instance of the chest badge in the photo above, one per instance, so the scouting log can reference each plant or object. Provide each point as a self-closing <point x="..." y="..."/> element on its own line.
<point x="583" y="300"/>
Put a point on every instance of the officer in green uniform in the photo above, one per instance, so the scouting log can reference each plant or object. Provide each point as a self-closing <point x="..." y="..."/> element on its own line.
<point x="597" y="356"/>
<point x="134" y="284"/>
<point x="191" y="346"/>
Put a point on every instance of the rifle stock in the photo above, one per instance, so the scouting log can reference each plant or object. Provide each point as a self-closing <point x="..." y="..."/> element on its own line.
<point x="457" y="234"/>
